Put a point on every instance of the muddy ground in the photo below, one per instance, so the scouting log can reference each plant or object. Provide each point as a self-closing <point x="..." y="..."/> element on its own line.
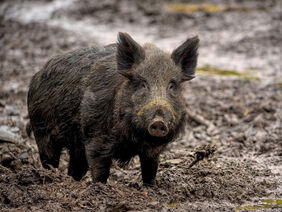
<point x="235" y="104"/>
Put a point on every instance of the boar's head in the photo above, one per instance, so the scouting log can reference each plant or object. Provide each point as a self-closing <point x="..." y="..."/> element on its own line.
<point x="151" y="104"/>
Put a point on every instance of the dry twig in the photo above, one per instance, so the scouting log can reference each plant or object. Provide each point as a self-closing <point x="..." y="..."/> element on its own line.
<point x="199" y="119"/>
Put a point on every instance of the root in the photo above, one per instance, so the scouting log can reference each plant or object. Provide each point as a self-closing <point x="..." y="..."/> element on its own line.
<point x="199" y="119"/>
<point x="202" y="152"/>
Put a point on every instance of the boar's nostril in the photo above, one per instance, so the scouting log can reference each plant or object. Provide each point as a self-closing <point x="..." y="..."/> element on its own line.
<point x="158" y="128"/>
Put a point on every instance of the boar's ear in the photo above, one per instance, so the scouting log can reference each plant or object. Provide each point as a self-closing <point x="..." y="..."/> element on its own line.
<point x="186" y="56"/>
<point x="129" y="52"/>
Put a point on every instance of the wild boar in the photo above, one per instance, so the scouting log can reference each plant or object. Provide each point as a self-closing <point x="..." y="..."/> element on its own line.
<point x="112" y="102"/>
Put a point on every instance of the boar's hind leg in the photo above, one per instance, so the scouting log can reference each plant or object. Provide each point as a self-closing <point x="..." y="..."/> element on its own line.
<point x="49" y="151"/>
<point x="101" y="169"/>
<point x="149" y="167"/>
<point x="78" y="165"/>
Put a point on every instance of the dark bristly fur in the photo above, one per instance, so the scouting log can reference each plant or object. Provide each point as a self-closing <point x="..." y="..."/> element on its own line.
<point x="100" y="102"/>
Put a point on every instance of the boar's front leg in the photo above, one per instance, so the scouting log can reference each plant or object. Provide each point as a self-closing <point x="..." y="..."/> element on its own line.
<point x="149" y="167"/>
<point x="99" y="160"/>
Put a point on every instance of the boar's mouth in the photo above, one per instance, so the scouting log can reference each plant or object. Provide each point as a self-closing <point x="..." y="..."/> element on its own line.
<point x="156" y="140"/>
<point x="143" y="136"/>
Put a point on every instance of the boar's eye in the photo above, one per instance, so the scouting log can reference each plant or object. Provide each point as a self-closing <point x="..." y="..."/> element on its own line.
<point x="140" y="85"/>
<point x="172" y="86"/>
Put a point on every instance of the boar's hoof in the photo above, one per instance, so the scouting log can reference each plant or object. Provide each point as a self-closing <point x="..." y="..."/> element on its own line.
<point x="158" y="128"/>
<point x="150" y="184"/>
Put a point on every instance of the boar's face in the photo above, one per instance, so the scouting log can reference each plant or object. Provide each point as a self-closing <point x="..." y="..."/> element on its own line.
<point x="152" y="97"/>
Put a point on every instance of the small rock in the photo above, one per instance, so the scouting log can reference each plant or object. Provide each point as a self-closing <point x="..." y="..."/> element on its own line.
<point x="118" y="174"/>
<point x="174" y="161"/>
<point x="153" y="203"/>
<point x="162" y="192"/>
<point x="121" y="207"/>
<point x="7" y="136"/>
<point x="5" y="157"/>
<point x="23" y="155"/>
<point x="12" y="112"/>
<point x="260" y="135"/>
<point x="2" y="103"/>
<point x="59" y="195"/>
<point x="231" y="119"/>
<point x="15" y="129"/>
<point x="259" y="122"/>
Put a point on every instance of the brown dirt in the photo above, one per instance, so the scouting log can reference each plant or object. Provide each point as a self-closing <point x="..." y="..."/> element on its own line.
<point x="241" y="118"/>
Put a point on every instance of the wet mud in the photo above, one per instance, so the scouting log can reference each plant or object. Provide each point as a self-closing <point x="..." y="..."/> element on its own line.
<point x="234" y="106"/>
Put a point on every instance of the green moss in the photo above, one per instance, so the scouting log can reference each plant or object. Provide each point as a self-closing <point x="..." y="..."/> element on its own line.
<point x="251" y="78"/>
<point x="171" y="205"/>
<point x="265" y="204"/>
<point x="211" y="70"/>
<point x="210" y="8"/>
<point x="270" y="201"/>
<point x="190" y="8"/>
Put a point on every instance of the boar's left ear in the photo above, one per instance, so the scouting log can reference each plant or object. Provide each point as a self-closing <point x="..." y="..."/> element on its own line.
<point x="186" y="56"/>
<point x="129" y="52"/>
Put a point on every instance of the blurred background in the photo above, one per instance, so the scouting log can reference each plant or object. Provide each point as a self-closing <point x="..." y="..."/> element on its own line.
<point x="236" y="35"/>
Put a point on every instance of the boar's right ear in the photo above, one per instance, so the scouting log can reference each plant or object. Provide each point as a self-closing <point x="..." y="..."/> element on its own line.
<point x="186" y="56"/>
<point x="129" y="52"/>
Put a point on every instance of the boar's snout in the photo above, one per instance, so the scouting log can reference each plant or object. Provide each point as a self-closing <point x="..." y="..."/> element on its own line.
<point x="158" y="127"/>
